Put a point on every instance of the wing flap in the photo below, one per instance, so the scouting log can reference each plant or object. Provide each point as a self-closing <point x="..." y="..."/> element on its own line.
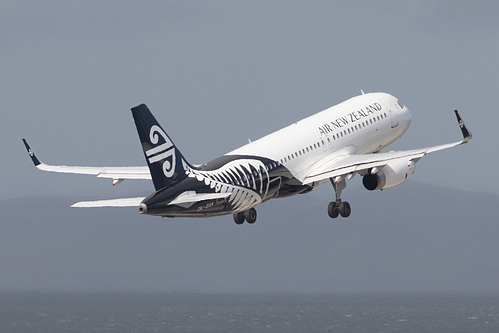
<point x="357" y="163"/>
<point x="126" y="174"/>
<point x="191" y="197"/>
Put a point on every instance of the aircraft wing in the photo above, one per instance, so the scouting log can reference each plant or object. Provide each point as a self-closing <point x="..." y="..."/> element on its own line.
<point x="342" y="165"/>
<point x="125" y="202"/>
<point x="118" y="174"/>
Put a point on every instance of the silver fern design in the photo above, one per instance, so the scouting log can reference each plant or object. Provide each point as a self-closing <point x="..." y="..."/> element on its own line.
<point x="247" y="181"/>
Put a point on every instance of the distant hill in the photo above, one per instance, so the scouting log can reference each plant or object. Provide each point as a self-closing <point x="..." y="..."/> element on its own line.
<point x="415" y="237"/>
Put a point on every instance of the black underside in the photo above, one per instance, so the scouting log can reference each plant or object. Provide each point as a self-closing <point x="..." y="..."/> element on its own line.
<point x="277" y="182"/>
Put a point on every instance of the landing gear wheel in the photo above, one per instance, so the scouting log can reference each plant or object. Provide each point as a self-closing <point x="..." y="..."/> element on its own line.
<point x="333" y="210"/>
<point x="345" y="209"/>
<point x="239" y="218"/>
<point x="250" y="215"/>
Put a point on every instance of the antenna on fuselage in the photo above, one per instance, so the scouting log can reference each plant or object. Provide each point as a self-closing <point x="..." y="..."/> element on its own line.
<point x="362" y="91"/>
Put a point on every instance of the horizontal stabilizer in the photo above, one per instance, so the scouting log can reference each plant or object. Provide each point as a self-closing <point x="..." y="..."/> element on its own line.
<point x="124" y="202"/>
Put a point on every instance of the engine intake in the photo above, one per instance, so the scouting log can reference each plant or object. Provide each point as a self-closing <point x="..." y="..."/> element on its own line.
<point x="389" y="175"/>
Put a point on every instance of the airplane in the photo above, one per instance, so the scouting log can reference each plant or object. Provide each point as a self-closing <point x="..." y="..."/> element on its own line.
<point x="330" y="146"/>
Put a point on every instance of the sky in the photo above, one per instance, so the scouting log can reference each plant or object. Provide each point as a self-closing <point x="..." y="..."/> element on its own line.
<point x="217" y="73"/>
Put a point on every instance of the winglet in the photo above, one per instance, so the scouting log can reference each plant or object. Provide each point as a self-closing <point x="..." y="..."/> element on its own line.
<point x="466" y="133"/>
<point x="31" y="153"/>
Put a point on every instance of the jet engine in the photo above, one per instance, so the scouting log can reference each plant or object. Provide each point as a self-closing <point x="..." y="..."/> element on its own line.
<point x="389" y="175"/>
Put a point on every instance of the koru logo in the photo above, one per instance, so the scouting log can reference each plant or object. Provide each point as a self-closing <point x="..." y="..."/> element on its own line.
<point x="461" y="123"/>
<point x="162" y="152"/>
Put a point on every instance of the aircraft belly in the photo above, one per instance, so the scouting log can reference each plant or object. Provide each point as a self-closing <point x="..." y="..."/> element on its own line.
<point x="208" y="191"/>
<point x="203" y="208"/>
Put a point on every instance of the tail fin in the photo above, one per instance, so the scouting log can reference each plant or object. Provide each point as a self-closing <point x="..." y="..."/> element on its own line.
<point x="165" y="161"/>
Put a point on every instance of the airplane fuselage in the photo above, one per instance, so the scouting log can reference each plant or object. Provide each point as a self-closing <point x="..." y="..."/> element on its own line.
<point x="277" y="165"/>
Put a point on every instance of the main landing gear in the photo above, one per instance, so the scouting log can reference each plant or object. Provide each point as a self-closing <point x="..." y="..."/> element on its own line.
<point x="248" y="215"/>
<point x="342" y="208"/>
<point x="338" y="207"/>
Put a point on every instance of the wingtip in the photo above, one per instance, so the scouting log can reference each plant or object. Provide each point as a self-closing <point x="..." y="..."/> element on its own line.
<point x="467" y="136"/>
<point x="31" y="153"/>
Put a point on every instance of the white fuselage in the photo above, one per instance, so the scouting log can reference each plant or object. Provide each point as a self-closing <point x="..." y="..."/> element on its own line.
<point x="363" y="124"/>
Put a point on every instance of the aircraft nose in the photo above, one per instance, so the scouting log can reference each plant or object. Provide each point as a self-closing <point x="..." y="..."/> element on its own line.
<point x="142" y="208"/>
<point x="406" y="118"/>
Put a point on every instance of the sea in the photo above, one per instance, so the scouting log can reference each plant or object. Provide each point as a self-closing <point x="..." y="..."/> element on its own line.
<point x="193" y="312"/>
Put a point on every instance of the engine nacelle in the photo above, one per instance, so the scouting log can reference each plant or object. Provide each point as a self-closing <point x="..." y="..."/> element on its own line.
<point x="389" y="175"/>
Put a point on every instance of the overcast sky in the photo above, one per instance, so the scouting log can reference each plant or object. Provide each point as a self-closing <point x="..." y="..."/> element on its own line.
<point x="217" y="73"/>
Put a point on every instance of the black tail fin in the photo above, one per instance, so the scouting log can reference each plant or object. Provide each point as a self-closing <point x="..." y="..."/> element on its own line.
<point x="165" y="161"/>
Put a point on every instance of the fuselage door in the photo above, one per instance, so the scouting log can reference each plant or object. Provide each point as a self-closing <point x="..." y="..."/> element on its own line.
<point x="393" y="109"/>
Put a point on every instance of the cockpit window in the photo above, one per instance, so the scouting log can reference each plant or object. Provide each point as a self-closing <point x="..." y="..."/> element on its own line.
<point x="400" y="103"/>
